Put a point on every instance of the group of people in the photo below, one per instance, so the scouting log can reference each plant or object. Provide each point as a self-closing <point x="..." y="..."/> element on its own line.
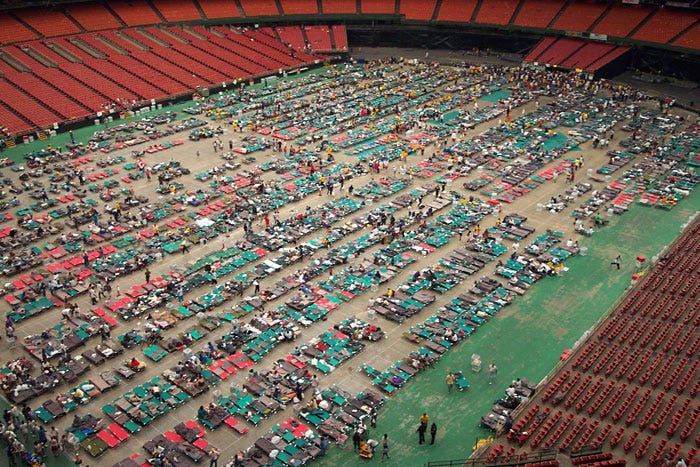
<point x="423" y="428"/>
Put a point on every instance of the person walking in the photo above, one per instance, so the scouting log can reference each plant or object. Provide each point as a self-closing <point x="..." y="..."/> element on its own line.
<point x="385" y="446"/>
<point x="433" y="432"/>
<point x="147" y="273"/>
<point x="451" y="381"/>
<point x="493" y="371"/>
<point x="616" y="262"/>
<point x="256" y="284"/>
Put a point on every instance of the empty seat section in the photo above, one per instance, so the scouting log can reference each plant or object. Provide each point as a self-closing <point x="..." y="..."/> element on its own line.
<point x="48" y="96"/>
<point x="299" y="7"/>
<point x="174" y="63"/>
<point x="417" y="10"/>
<point x="340" y="36"/>
<point x="135" y="88"/>
<point x="177" y="10"/>
<point x="539" y="49"/>
<point x="560" y="51"/>
<point x="73" y="79"/>
<point x="579" y="15"/>
<point x="239" y="43"/>
<point x="319" y="38"/>
<point x="216" y="9"/>
<point x="690" y="40"/>
<point x="267" y="35"/>
<point x="259" y="7"/>
<point x="265" y="45"/>
<point x="24" y="105"/>
<point x="48" y="23"/>
<point x="607" y="58"/>
<point x="377" y="7"/>
<point x="339" y="6"/>
<point x="12" y="30"/>
<point x="537" y="13"/>
<point x="93" y="16"/>
<point x="291" y="36"/>
<point x="622" y="19"/>
<point x="665" y="25"/>
<point x="233" y="66"/>
<point x="588" y="54"/>
<point x="135" y="13"/>
<point x="496" y="11"/>
<point x="149" y="70"/>
<point x="456" y="10"/>
<point x="9" y="119"/>
<point x="240" y="51"/>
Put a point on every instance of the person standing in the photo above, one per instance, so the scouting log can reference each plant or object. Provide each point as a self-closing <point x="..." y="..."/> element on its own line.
<point x="147" y="273"/>
<point x="356" y="438"/>
<point x="385" y="446"/>
<point x="421" y="432"/>
<point x="323" y="445"/>
<point x="256" y="284"/>
<point x="451" y="381"/>
<point x="433" y="432"/>
<point x="214" y="457"/>
<point x="493" y="371"/>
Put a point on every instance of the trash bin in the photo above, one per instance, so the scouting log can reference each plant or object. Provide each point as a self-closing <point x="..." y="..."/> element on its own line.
<point x="583" y="251"/>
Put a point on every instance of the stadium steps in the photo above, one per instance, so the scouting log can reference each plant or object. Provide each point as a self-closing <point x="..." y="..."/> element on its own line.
<point x="14" y="62"/>
<point x="151" y="37"/>
<point x="157" y="11"/>
<point x="436" y="11"/>
<point x="279" y="7"/>
<point x="26" y="25"/>
<point x="130" y="41"/>
<point x="600" y="18"/>
<point x="559" y="13"/>
<point x="189" y="31"/>
<point x="74" y="21"/>
<point x="332" y="34"/>
<point x="319" y="6"/>
<point x="240" y="9"/>
<point x="516" y="11"/>
<point x="340" y="36"/>
<point x="199" y="9"/>
<point x="88" y="49"/>
<point x="62" y="52"/>
<point x="675" y="38"/>
<point x="475" y="13"/>
<point x="306" y="37"/>
<point x="39" y="57"/>
<point x="114" y="13"/>
<point x="642" y="23"/>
